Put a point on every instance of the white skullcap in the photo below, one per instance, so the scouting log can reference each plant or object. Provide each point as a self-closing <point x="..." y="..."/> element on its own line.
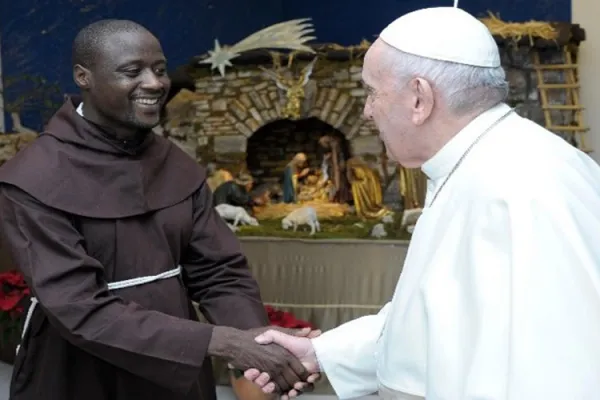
<point x="446" y="34"/>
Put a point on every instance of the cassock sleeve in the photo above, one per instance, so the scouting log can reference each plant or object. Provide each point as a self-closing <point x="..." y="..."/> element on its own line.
<point x="348" y="355"/>
<point x="216" y="271"/>
<point x="528" y="327"/>
<point x="67" y="283"/>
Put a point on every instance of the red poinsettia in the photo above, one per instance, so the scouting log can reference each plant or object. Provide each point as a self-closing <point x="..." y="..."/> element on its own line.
<point x="14" y="293"/>
<point x="286" y="319"/>
<point x="12" y="290"/>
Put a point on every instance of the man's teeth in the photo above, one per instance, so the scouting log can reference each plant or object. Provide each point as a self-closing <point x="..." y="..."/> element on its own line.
<point x="149" y="102"/>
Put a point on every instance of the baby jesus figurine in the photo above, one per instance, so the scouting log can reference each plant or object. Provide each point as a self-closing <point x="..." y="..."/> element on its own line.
<point x="316" y="188"/>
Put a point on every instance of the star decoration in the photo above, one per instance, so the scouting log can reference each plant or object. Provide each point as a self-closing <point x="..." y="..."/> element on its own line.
<point x="288" y="35"/>
<point x="219" y="58"/>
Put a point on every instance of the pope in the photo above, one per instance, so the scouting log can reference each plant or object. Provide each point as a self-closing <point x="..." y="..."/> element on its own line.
<point x="499" y="298"/>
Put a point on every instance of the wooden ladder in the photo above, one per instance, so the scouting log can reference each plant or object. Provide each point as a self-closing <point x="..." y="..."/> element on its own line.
<point x="564" y="119"/>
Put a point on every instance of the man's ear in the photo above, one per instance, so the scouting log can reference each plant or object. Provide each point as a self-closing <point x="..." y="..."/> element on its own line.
<point x="424" y="100"/>
<point x="82" y="76"/>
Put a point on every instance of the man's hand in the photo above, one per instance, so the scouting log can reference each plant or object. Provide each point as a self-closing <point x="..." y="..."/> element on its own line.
<point x="242" y="351"/>
<point x="299" y="346"/>
<point x="300" y="386"/>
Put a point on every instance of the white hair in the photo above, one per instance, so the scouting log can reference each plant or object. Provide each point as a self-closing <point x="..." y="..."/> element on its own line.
<point x="464" y="88"/>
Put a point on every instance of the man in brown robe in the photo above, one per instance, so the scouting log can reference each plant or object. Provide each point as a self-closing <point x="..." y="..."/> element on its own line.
<point x="115" y="232"/>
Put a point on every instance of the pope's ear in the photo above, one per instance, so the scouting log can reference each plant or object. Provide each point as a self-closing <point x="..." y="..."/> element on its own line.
<point x="82" y="76"/>
<point x="424" y="99"/>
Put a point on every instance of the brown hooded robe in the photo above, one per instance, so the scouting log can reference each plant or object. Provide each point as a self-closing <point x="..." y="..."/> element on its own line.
<point x="80" y="209"/>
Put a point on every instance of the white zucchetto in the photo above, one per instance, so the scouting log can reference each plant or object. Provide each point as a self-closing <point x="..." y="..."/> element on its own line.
<point x="446" y="34"/>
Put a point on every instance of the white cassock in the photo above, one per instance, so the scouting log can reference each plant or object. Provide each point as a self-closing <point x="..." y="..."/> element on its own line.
<point x="499" y="298"/>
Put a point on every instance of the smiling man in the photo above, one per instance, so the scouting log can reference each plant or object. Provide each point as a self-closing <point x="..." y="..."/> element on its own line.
<point x="115" y="231"/>
<point x="122" y="75"/>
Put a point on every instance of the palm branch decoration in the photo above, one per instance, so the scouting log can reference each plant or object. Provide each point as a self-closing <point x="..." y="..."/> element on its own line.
<point x="288" y="35"/>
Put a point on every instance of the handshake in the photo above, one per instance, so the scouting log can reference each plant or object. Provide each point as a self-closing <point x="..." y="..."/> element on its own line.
<point x="278" y="360"/>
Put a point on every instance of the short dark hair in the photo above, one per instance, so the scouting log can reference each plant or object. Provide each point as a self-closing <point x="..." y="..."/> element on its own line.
<point x="92" y="37"/>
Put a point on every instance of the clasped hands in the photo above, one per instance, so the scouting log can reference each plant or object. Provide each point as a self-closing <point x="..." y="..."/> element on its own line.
<point x="279" y="360"/>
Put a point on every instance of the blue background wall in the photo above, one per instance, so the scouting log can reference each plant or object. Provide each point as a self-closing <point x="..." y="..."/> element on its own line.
<point x="36" y="34"/>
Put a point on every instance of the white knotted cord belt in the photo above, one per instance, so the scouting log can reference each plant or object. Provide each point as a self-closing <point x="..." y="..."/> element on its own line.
<point x="111" y="286"/>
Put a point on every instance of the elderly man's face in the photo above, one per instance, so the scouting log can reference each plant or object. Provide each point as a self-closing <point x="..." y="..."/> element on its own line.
<point x="394" y="108"/>
<point x="129" y="82"/>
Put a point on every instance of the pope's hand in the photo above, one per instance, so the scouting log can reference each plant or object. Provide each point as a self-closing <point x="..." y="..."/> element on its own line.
<point x="301" y="347"/>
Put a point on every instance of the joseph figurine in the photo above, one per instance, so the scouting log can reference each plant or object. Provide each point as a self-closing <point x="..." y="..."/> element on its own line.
<point x="114" y="230"/>
<point x="334" y="167"/>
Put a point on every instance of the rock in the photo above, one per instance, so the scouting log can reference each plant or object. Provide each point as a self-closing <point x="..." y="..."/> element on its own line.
<point x="230" y="144"/>
<point x="378" y="231"/>
<point x="366" y="145"/>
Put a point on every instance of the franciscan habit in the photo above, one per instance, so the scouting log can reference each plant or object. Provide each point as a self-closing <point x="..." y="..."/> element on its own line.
<point x="80" y="210"/>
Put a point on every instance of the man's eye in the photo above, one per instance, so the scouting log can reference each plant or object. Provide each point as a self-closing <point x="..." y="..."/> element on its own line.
<point x="132" y="72"/>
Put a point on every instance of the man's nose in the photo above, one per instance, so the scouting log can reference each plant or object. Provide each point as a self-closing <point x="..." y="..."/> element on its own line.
<point x="152" y="81"/>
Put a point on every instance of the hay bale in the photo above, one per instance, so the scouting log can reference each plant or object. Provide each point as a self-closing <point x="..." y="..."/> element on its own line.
<point x="517" y="30"/>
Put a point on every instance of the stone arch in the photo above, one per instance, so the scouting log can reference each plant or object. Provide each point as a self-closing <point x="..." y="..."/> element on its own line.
<point x="339" y="109"/>
<point x="229" y="110"/>
<point x="263" y="105"/>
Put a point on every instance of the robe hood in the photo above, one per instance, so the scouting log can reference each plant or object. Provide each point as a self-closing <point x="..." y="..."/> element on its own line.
<point x="77" y="167"/>
<point x="68" y="126"/>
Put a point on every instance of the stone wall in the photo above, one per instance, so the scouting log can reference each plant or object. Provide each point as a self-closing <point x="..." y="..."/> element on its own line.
<point x="214" y="123"/>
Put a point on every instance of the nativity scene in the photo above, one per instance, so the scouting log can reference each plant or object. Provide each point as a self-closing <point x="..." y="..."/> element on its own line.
<point x="287" y="113"/>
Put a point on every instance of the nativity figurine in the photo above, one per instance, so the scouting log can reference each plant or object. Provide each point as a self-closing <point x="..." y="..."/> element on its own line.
<point x="293" y="87"/>
<point x="413" y="187"/>
<point x="236" y="192"/>
<point x="316" y="188"/>
<point x="296" y="170"/>
<point x="333" y="167"/>
<point x="217" y="176"/>
<point x="366" y="190"/>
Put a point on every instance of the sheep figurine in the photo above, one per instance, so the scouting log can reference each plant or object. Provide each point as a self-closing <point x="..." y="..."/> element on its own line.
<point x="410" y="218"/>
<point x="378" y="231"/>
<point x="387" y="219"/>
<point x="236" y="214"/>
<point x="302" y="216"/>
